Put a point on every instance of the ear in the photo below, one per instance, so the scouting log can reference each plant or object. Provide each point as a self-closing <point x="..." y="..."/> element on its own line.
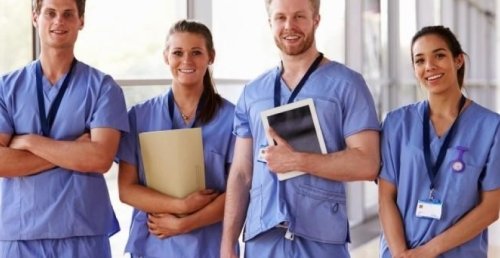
<point x="212" y="58"/>
<point x="165" y="56"/>
<point x="459" y="61"/>
<point x="83" y="22"/>
<point x="34" y="19"/>
<point x="316" y="20"/>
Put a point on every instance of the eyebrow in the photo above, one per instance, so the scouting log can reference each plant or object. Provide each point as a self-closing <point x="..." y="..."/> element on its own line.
<point x="433" y="51"/>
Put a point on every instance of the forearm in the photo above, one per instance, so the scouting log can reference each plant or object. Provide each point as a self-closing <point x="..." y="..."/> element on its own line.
<point x="208" y="215"/>
<point x="92" y="152"/>
<point x="17" y="163"/>
<point x="346" y="165"/>
<point x="149" y="200"/>
<point x="237" y="198"/>
<point x="392" y="225"/>
<point x="468" y="227"/>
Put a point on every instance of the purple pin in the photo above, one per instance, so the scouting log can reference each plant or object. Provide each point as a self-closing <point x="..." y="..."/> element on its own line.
<point x="458" y="164"/>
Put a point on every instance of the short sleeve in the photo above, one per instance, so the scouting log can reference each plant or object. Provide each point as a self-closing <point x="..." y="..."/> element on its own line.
<point x="359" y="108"/>
<point x="388" y="169"/>
<point x="128" y="149"/>
<point x="6" y="125"/>
<point x="110" y="110"/>
<point x="241" y="125"/>
<point x="490" y="179"/>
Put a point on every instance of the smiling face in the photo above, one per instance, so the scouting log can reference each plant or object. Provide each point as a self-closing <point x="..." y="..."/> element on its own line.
<point x="188" y="58"/>
<point x="293" y="23"/>
<point x="434" y="64"/>
<point x="58" y="23"/>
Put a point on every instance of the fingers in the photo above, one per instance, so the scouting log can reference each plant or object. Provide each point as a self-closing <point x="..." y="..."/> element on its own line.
<point x="277" y="139"/>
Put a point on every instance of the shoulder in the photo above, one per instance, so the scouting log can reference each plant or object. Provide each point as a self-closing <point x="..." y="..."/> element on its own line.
<point x="263" y="79"/>
<point x="93" y="76"/>
<point x="336" y="71"/>
<point x="11" y="79"/>
<point x="486" y="117"/>
<point x="226" y="106"/>
<point x="404" y="116"/>
<point x="150" y="105"/>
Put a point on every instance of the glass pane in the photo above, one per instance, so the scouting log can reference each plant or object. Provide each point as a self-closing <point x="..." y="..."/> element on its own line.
<point x="126" y="39"/>
<point x="372" y="39"/>
<point x="242" y="38"/>
<point x="331" y="31"/>
<point x="407" y="27"/>
<point x="15" y="34"/>
<point x="246" y="48"/>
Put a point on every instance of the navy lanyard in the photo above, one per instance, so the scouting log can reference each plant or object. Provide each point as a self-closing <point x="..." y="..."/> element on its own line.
<point x="295" y="92"/>
<point x="171" y="102"/>
<point x="432" y="170"/>
<point x="47" y="121"/>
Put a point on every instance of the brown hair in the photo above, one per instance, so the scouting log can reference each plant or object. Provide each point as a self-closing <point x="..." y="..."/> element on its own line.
<point x="314" y="3"/>
<point x="212" y="100"/>
<point x="80" y="5"/>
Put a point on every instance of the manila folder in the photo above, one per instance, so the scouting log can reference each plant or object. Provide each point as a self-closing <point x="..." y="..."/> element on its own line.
<point x="173" y="161"/>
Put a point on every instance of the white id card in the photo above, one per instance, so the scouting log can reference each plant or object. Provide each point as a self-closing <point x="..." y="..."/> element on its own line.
<point x="429" y="209"/>
<point x="260" y="156"/>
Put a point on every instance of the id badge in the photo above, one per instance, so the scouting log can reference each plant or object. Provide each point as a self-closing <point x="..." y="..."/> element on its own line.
<point x="429" y="209"/>
<point x="260" y="156"/>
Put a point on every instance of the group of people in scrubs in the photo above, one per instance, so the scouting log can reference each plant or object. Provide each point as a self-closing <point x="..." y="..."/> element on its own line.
<point x="62" y="123"/>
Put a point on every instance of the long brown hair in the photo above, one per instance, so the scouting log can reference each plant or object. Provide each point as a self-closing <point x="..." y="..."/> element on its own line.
<point x="212" y="100"/>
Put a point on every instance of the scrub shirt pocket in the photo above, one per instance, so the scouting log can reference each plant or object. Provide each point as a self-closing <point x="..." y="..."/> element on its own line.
<point x="329" y="222"/>
<point x="215" y="170"/>
<point x="253" y="222"/>
<point x="465" y="184"/>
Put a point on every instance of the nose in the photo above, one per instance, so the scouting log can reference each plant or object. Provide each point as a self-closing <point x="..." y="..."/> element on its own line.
<point x="59" y="19"/>
<point x="289" y="23"/>
<point x="186" y="58"/>
<point x="429" y="65"/>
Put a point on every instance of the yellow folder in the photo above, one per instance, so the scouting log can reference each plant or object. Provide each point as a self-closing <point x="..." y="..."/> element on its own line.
<point x="173" y="161"/>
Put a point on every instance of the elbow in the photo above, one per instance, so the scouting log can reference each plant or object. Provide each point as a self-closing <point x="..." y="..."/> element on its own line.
<point x="494" y="216"/>
<point x="98" y="165"/>
<point x="372" y="169"/>
<point x="123" y="196"/>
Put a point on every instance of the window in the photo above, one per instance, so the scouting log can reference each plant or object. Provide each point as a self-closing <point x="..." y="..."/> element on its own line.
<point x="16" y="37"/>
<point x="126" y="39"/>
<point x="244" y="43"/>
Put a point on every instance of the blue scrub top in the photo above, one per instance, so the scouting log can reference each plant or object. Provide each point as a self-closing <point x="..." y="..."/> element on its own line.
<point x="315" y="208"/>
<point x="58" y="203"/>
<point x="478" y="131"/>
<point x="218" y="146"/>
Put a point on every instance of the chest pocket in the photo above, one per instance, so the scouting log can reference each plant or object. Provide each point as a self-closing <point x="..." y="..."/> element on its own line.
<point x="215" y="170"/>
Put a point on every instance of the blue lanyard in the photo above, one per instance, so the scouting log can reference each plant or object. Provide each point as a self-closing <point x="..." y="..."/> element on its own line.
<point x="47" y="121"/>
<point x="432" y="170"/>
<point x="295" y="92"/>
<point x="171" y="102"/>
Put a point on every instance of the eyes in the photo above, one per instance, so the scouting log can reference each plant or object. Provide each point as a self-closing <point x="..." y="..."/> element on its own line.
<point x="420" y="60"/>
<point x="51" y="14"/>
<point x="297" y="17"/>
<point x="180" y="53"/>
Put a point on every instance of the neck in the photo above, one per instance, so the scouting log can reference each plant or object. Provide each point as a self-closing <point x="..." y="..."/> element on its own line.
<point x="445" y="105"/>
<point x="187" y="98"/>
<point x="296" y="66"/>
<point x="55" y="64"/>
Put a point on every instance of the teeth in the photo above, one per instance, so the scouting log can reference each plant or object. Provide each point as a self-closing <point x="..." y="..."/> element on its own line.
<point x="291" y="37"/>
<point x="434" y="77"/>
<point x="186" y="70"/>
